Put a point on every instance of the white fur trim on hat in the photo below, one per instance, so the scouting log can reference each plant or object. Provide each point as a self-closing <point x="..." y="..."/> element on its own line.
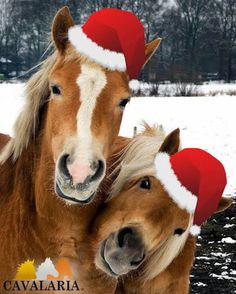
<point x="134" y="85"/>
<point x="84" y="45"/>
<point x="181" y="196"/>
<point x="195" y="230"/>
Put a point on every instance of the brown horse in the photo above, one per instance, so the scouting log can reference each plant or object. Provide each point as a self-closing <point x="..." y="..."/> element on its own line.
<point x="3" y="140"/>
<point x="142" y="236"/>
<point x="58" y="156"/>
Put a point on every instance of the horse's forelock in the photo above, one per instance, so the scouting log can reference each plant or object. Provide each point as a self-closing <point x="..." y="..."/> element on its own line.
<point x="138" y="156"/>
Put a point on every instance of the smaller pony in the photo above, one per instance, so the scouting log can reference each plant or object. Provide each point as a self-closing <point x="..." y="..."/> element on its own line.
<point x="142" y="235"/>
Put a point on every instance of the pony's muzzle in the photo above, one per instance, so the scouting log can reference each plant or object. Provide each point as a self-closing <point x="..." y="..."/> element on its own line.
<point x="80" y="172"/>
<point x="121" y="252"/>
<point x="77" y="181"/>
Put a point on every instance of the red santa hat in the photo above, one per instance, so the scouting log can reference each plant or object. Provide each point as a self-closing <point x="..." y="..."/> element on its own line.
<point x="113" y="38"/>
<point x="195" y="180"/>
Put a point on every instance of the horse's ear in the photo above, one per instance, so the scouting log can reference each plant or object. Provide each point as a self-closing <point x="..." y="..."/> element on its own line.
<point x="60" y="26"/>
<point x="171" y="143"/>
<point x="225" y="202"/>
<point x="150" y="49"/>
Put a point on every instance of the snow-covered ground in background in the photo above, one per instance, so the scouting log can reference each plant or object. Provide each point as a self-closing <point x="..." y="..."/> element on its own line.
<point x="11" y="101"/>
<point x="205" y="122"/>
<point x="206" y="89"/>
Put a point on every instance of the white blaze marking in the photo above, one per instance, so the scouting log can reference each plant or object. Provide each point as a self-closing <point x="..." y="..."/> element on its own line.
<point x="91" y="81"/>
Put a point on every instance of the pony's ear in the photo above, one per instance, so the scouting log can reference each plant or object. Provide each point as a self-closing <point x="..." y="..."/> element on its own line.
<point x="60" y="26"/>
<point x="150" y="49"/>
<point x="225" y="202"/>
<point x="171" y="143"/>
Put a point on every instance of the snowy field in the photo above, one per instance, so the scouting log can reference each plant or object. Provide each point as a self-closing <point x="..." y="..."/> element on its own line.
<point x="212" y="88"/>
<point x="205" y="122"/>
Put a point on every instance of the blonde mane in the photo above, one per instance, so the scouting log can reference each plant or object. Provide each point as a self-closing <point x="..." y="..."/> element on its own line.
<point x="137" y="161"/>
<point x="138" y="157"/>
<point x="36" y="93"/>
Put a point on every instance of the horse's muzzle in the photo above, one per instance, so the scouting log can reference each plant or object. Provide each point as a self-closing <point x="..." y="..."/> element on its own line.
<point x="77" y="192"/>
<point x="121" y="252"/>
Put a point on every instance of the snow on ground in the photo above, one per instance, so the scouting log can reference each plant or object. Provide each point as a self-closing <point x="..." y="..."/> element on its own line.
<point x="11" y="101"/>
<point x="205" y="122"/>
<point x="212" y="88"/>
<point x="228" y="240"/>
<point x="229" y="226"/>
<point x="223" y="276"/>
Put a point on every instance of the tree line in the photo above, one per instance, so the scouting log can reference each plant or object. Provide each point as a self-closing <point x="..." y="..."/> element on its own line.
<point x="198" y="36"/>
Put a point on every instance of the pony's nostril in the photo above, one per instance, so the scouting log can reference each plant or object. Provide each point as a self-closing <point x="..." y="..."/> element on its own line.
<point x="98" y="167"/>
<point x="68" y="159"/>
<point x="123" y="236"/>
<point x="63" y="162"/>
<point x="94" y="165"/>
<point x="137" y="261"/>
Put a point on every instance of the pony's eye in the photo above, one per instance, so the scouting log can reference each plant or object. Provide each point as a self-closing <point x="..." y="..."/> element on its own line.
<point x="179" y="231"/>
<point x="55" y="90"/>
<point x="145" y="184"/>
<point x="123" y="103"/>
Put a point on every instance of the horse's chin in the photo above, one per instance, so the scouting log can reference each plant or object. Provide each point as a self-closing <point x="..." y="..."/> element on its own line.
<point x="73" y="196"/>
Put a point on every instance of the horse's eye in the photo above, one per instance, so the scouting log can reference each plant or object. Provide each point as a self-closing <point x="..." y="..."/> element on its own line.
<point x="179" y="231"/>
<point x="55" y="90"/>
<point x="145" y="184"/>
<point x="123" y="103"/>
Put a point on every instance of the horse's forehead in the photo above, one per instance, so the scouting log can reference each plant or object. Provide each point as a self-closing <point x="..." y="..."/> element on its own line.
<point x="95" y="73"/>
<point x="71" y="69"/>
<point x="65" y="72"/>
<point x="92" y="78"/>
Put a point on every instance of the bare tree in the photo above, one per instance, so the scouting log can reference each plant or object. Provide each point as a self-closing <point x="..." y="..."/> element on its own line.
<point x="199" y="36"/>
<point x="194" y="14"/>
<point x="225" y="13"/>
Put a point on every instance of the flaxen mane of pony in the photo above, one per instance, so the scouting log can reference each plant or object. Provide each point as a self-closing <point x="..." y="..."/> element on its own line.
<point x="142" y="237"/>
<point x="57" y="158"/>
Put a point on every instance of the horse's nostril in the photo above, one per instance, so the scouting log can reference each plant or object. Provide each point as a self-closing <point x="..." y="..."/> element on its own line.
<point x="63" y="162"/>
<point x="94" y="165"/>
<point x="98" y="167"/>
<point x="123" y="236"/>
<point x="137" y="261"/>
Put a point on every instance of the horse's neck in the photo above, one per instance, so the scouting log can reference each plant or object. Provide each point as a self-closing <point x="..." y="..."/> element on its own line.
<point x="174" y="279"/>
<point x="6" y="171"/>
<point x="18" y="237"/>
<point x="3" y="140"/>
<point x="16" y="178"/>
